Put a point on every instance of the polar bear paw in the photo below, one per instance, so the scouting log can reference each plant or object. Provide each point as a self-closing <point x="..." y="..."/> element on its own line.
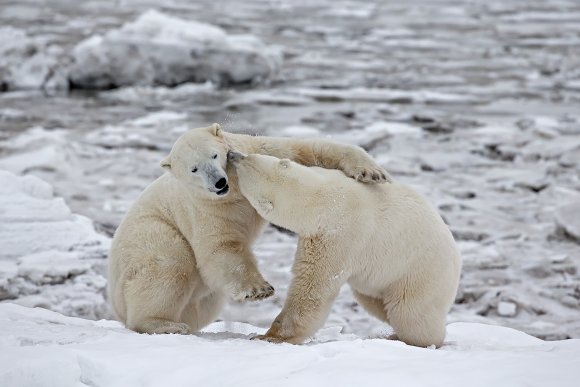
<point x="278" y="340"/>
<point x="369" y="174"/>
<point x="254" y="292"/>
<point x="171" y="327"/>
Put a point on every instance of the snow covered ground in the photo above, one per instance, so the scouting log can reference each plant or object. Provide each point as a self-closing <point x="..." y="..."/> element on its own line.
<point x="43" y="348"/>
<point x="474" y="103"/>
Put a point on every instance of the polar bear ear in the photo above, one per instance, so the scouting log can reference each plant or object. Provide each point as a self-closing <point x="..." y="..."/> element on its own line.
<point x="285" y="163"/>
<point x="216" y="129"/>
<point x="166" y="163"/>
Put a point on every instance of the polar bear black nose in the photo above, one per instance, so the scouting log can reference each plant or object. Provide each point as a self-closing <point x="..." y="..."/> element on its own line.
<point x="221" y="183"/>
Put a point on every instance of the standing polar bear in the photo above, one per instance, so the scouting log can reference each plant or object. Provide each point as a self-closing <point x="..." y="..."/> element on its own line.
<point x="184" y="246"/>
<point x="385" y="241"/>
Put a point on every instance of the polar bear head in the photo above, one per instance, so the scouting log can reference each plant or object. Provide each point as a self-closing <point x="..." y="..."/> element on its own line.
<point x="283" y="192"/>
<point x="198" y="159"/>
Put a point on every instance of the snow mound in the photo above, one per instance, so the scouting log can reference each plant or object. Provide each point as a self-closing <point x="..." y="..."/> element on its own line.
<point x="157" y="49"/>
<point x="50" y="257"/>
<point x="45" y="348"/>
<point x="30" y="63"/>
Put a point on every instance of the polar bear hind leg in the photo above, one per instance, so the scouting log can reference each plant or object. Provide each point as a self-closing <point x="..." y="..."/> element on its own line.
<point x="160" y="283"/>
<point x="419" y="328"/>
<point x="414" y="327"/>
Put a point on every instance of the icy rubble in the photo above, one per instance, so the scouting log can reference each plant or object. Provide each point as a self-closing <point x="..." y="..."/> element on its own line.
<point x="30" y="63"/>
<point x="45" y="348"/>
<point x="157" y="49"/>
<point x="500" y="212"/>
<point x="50" y="257"/>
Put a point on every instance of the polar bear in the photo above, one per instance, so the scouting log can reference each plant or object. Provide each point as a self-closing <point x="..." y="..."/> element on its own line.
<point x="184" y="246"/>
<point x="385" y="241"/>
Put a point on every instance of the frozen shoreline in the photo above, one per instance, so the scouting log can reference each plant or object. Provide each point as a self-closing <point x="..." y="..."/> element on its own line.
<point x="48" y="349"/>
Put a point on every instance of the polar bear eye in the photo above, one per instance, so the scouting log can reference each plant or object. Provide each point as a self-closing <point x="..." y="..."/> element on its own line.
<point x="194" y="169"/>
<point x="214" y="156"/>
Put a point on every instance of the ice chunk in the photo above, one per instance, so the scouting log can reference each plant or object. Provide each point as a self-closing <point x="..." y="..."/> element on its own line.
<point x="51" y="266"/>
<point x="157" y="49"/>
<point x="568" y="220"/>
<point x="506" y="309"/>
<point x="50" y="257"/>
<point x="31" y="221"/>
<point x="30" y="63"/>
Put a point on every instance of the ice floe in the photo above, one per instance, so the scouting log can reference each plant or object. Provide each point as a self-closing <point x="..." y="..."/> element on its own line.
<point x="158" y="49"/>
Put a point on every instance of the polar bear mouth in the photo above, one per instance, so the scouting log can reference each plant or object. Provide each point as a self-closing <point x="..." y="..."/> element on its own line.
<point x="223" y="191"/>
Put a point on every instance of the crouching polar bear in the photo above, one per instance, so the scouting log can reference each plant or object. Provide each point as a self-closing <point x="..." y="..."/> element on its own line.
<point x="184" y="246"/>
<point x="385" y="241"/>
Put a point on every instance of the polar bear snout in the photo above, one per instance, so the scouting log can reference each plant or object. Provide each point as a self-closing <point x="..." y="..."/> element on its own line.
<point x="221" y="183"/>
<point x="221" y="186"/>
<point x="215" y="179"/>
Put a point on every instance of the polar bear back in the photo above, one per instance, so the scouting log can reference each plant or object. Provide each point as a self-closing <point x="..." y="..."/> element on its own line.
<point x="386" y="224"/>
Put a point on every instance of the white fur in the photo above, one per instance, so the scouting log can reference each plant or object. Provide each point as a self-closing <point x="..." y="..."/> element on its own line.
<point x="385" y="241"/>
<point x="182" y="249"/>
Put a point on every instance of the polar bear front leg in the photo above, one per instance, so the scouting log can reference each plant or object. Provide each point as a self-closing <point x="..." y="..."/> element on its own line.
<point x="230" y="266"/>
<point x="351" y="159"/>
<point x="317" y="280"/>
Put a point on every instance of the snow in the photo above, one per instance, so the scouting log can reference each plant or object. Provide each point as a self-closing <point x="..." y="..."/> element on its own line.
<point x="30" y="213"/>
<point x="43" y="348"/>
<point x="158" y="49"/>
<point x="50" y="257"/>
